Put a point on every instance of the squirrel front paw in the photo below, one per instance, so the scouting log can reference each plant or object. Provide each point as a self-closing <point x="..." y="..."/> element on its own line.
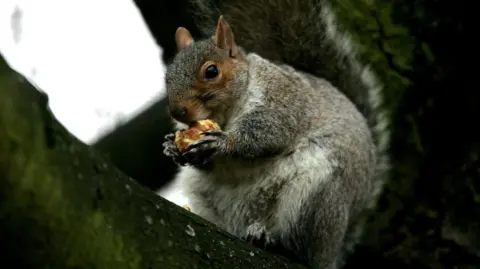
<point x="171" y="150"/>
<point x="205" y="149"/>
<point x="258" y="235"/>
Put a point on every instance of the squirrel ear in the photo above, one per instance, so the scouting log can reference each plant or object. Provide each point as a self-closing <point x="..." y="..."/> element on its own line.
<point x="183" y="38"/>
<point x="224" y="38"/>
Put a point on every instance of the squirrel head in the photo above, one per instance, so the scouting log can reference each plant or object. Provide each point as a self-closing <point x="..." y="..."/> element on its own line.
<point x="206" y="77"/>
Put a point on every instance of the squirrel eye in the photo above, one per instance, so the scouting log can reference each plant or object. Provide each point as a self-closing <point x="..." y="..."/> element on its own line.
<point x="211" y="72"/>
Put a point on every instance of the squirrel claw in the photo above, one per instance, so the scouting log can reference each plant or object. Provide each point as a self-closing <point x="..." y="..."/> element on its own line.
<point x="202" y="151"/>
<point x="213" y="133"/>
<point x="199" y="157"/>
<point x="200" y="143"/>
<point x="170" y="150"/>
<point x="258" y="235"/>
<point x="170" y="137"/>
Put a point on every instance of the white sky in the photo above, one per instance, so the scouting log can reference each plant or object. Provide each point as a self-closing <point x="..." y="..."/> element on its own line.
<point x="99" y="65"/>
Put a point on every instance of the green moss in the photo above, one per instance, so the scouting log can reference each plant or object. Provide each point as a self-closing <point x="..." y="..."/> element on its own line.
<point x="428" y="53"/>
<point x="78" y="233"/>
<point x="383" y="44"/>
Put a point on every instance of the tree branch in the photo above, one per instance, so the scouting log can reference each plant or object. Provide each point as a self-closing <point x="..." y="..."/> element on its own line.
<point x="63" y="205"/>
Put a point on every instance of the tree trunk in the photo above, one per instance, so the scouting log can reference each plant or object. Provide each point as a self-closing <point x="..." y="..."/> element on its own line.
<point x="63" y="205"/>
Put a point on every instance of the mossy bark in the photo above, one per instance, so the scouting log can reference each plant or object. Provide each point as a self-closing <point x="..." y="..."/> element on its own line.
<point x="63" y="205"/>
<point x="429" y="214"/>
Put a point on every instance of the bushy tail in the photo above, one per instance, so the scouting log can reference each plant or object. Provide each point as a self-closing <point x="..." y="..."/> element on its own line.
<point x="305" y="35"/>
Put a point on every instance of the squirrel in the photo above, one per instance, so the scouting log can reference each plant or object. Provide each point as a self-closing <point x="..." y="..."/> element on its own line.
<point x="302" y="152"/>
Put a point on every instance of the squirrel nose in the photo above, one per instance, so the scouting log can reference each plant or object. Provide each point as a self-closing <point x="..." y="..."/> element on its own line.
<point x="178" y="112"/>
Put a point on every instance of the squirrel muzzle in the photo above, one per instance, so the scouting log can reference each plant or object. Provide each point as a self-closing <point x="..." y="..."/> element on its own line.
<point x="178" y="112"/>
<point x="188" y="111"/>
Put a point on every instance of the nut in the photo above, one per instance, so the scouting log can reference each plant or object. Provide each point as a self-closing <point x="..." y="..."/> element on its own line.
<point x="185" y="138"/>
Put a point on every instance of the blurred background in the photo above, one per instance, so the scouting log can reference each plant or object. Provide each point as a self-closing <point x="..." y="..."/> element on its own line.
<point x="102" y="64"/>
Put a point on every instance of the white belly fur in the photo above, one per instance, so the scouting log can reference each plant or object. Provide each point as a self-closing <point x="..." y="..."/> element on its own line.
<point x="237" y="194"/>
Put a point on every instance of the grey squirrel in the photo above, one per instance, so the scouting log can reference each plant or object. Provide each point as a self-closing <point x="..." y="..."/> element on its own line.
<point x="303" y="147"/>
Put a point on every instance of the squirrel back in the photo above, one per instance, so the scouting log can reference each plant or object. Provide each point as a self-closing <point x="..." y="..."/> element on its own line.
<point x="305" y="35"/>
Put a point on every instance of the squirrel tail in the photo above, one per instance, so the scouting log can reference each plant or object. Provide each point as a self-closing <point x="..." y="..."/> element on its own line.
<point x="305" y="35"/>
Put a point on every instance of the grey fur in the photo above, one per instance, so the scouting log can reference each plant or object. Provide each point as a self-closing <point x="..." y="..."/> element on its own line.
<point x="309" y="153"/>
